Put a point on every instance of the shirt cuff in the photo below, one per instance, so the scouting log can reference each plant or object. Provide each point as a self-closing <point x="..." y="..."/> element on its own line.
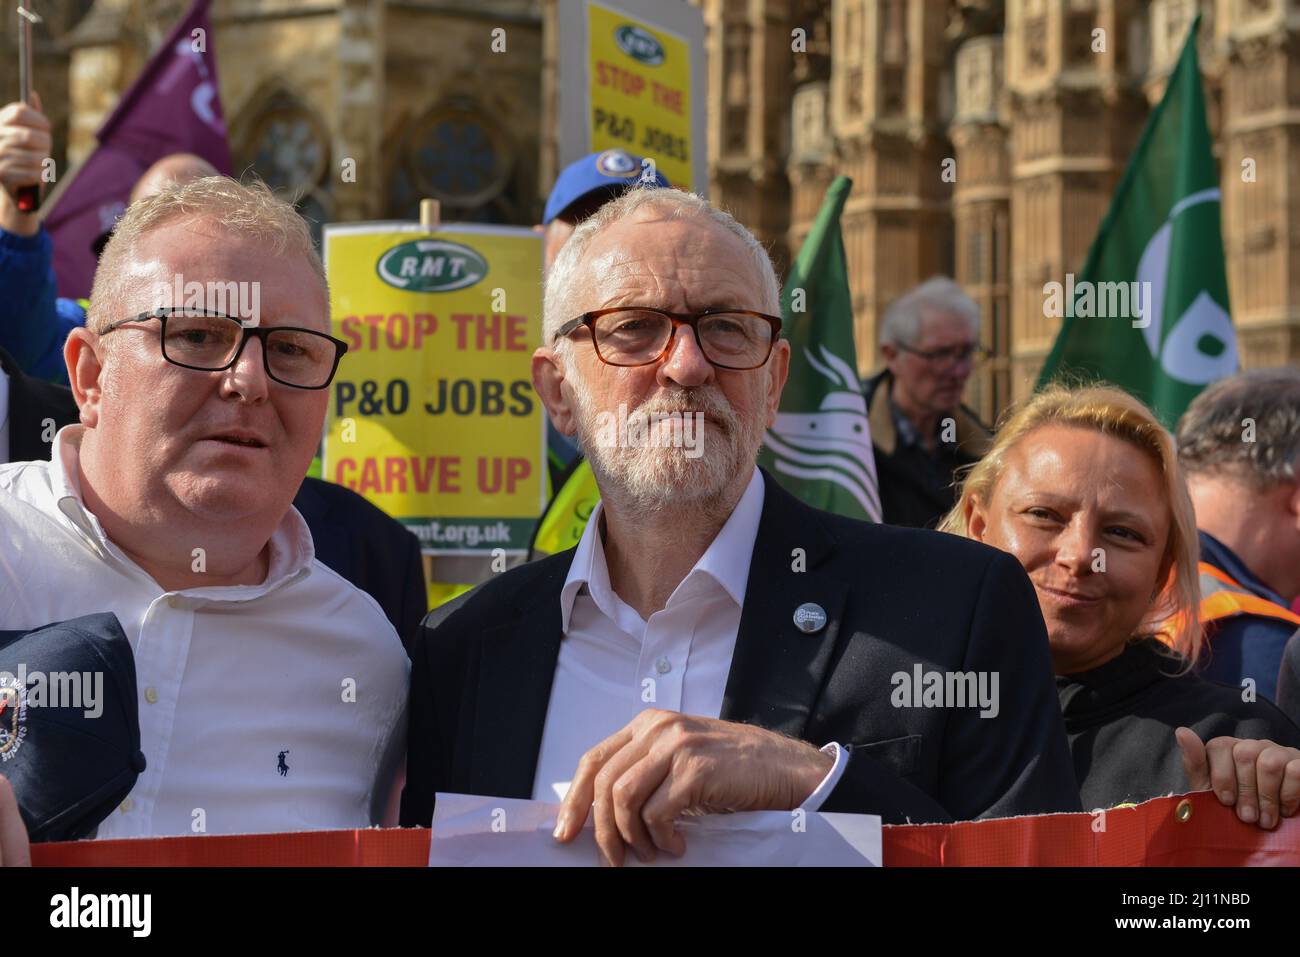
<point x="815" y="800"/>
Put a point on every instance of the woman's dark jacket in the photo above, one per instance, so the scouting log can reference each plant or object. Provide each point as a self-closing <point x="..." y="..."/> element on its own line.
<point x="1120" y="720"/>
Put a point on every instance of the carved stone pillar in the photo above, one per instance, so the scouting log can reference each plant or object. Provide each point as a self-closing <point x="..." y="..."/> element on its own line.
<point x="887" y="72"/>
<point x="358" y="128"/>
<point x="1261" y="201"/>
<point x="104" y="56"/>
<point x="1074" y="118"/>
<point x="812" y="162"/>
<point x="750" y="65"/>
<point x="981" y="214"/>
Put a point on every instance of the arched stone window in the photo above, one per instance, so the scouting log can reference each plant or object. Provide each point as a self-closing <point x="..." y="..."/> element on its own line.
<point x="288" y="146"/>
<point x="455" y="153"/>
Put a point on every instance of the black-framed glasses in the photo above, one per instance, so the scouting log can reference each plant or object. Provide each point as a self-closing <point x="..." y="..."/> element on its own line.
<point x="640" y="335"/>
<point x="213" y="342"/>
<point x="949" y="355"/>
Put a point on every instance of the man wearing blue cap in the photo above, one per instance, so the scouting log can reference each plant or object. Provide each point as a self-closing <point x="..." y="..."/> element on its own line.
<point x="585" y="186"/>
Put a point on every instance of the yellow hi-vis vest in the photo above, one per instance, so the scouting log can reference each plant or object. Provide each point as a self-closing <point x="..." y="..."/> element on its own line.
<point x="561" y="525"/>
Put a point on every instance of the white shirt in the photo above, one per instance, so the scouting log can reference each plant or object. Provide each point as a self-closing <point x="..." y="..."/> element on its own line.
<point x="227" y="676"/>
<point x="613" y="665"/>
<point x="4" y="416"/>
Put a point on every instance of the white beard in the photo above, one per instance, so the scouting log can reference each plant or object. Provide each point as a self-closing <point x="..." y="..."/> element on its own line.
<point x="660" y="474"/>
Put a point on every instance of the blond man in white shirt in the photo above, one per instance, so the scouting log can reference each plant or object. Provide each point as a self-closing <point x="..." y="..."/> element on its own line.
<point x="272" y="691"/>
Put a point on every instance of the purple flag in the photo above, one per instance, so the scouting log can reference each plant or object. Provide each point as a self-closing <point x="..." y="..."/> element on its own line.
<point x="173" y="107"/>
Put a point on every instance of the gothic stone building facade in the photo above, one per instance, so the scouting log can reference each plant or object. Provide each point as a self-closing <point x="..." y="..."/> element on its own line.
<point x="984" y="137"/>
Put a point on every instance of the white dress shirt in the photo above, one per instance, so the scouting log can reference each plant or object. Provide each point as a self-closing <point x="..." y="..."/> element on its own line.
<point x="613" y="665"/>
<point x="228" y="676"/>
<point x="4" y="417"/>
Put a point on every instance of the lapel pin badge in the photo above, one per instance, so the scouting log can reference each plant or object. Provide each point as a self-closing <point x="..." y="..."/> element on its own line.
<point x="810" y="618"/>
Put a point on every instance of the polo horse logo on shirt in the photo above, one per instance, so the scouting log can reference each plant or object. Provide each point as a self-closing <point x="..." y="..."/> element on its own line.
<point x="834" y="443"/>
<point x="282" y="767"/>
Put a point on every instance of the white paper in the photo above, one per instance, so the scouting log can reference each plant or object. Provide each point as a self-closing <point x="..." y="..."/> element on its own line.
<point x="476" y="831"/>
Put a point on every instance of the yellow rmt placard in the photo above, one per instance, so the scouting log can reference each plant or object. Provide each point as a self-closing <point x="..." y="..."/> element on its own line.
<point x="432" y="415"/>
<point x="640" y="88"/>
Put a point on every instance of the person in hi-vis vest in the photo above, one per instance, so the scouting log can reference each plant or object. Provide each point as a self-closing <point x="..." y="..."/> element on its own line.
<point x="1239" y="443"/>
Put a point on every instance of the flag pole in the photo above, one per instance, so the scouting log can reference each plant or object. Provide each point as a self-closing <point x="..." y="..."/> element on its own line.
<point x="28" y="198"/>
<point x="430" y="215"/>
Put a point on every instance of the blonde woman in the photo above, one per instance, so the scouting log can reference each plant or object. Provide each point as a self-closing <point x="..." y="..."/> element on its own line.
<point x="1083" y="487"/>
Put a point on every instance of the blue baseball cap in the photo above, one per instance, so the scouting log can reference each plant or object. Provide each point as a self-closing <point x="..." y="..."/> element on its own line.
<point x="613" y="170"/>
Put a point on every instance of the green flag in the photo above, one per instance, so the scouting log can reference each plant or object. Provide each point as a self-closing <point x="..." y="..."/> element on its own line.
<point x="1150" y="311"/>
<point x="820" y="445"/>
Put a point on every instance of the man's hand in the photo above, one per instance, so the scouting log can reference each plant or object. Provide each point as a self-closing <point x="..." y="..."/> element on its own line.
<point x="24" y="144"/>
<point x="664" y="765"/>
<point x="1260" y="777"/>
<point x="14" y="848"/>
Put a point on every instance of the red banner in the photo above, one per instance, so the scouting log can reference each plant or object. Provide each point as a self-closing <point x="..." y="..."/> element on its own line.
<point x="1191" y="831"/>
